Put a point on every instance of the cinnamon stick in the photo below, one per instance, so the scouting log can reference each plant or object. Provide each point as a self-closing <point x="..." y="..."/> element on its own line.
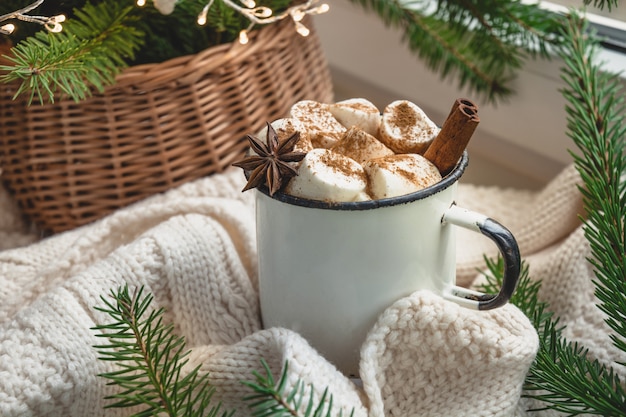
<point x="448" y="146"/>
<point x="462" y="101"/>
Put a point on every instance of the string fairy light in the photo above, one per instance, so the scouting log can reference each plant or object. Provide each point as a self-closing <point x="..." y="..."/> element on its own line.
<point x="203" y="14"/>
<point x="250" y="4"/>
<point x="243" y="37"/>
<point x="262" y="15"/>
<point x="52" y="24"/>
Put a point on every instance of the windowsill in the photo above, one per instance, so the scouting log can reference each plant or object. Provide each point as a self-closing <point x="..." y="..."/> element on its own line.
<point x="614" y="61"/>
<point x="523" y="138"/>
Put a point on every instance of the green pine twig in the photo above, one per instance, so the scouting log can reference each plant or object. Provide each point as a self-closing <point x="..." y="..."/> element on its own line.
<point x="595" y="120"/>
<point x="150" y="359"/>
<point x="561" y="376"/>
<point x="270" y="398"/>
<point x="90" y="52"/>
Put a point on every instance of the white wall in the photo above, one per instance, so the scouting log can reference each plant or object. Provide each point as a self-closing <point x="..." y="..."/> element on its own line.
<point x="521" y="142"/>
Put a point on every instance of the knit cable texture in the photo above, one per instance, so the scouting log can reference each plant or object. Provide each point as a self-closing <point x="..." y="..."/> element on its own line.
<point x="194" y="249"/>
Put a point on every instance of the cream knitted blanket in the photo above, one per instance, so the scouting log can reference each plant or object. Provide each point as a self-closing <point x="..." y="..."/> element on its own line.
<point x="194" y="249"/>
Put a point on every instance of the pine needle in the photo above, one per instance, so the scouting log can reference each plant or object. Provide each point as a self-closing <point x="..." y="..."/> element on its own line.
<point x="563" y="377"/>
<point x="271" y="398"/>
<point x="596" y="114"/>
<point x="89" y="53"/>
<point x="149" y="360"/>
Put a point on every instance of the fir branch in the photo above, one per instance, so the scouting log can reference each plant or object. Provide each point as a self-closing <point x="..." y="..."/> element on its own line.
<point x="562" y="376"/>
<point x="596" y="125"/>
<point x="482" y="43"/>
<point x="270" y="398"/>
<point x="150" y="358"/>
<point x="91" y="51"/>
<point x="565" y="379"/>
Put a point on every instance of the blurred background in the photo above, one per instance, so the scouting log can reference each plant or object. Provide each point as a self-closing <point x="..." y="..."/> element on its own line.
<point x="520" y="142"/>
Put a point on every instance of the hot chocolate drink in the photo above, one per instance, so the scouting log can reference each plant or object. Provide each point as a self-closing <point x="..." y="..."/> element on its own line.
<point x="351" y="151"/>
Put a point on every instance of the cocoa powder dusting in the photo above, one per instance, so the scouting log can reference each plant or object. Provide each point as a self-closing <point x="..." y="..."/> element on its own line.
<point x="362" y="107"/>
<point x="390" y="166"/>
<point x="353" y="144"/>
<point x="404" y="118"/>
<point x="340" y="165"/>
<point x="285" y="131"/>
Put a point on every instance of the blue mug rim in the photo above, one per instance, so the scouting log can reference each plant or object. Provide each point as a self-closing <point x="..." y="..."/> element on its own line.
<point x="446" y="182"/>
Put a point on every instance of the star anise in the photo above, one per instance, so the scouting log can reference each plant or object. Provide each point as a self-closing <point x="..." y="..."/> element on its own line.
<point x="270" y="165"/>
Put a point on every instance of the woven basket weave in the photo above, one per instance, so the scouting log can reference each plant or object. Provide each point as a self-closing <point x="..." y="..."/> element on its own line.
<point x="160" y="125"/>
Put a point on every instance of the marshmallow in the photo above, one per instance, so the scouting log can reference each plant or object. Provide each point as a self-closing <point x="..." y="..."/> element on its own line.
<point x="324" y="130"/>
<point x="396" y="175"/>
<point x="405" y="128"/>
<point x="363" y="196"/>
<point x="357" y="112"/>
<point x="329" y="176"/>
<point x="360" y="146"/>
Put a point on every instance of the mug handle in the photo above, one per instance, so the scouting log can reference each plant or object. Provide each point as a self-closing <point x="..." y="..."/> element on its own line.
<point x="507" y="245"/>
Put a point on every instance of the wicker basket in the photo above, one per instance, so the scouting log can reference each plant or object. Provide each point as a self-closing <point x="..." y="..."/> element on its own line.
<point x="160" y="125"/>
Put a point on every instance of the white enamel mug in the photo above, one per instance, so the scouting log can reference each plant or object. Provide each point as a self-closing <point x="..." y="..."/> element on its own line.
<point x="328" y="270"/>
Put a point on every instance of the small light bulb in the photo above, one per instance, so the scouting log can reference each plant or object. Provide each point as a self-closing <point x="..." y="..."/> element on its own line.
<point x="243" y="37"/>
<point x="202" y="16"/>
<point x="262" y="12"/>
<point x="297" y="15"/>
<point x="54" y="23"/>
<point x="53" y="27"/>
<point x="302" y="30"/>
<point x="323" y="8"/>
<point x="141" y="3"/>
<point x="248" y="3"/>
<point x="8" y="28"/>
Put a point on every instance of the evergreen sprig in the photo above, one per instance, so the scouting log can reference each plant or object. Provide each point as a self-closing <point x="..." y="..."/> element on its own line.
<point x="562" y="376"/>
<point x="482" y="43"/>
<point x="150" y="359"/>
<point x="595" y="121"/>
<point x="271" y="398"/>
<point x="91" y="51"/>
